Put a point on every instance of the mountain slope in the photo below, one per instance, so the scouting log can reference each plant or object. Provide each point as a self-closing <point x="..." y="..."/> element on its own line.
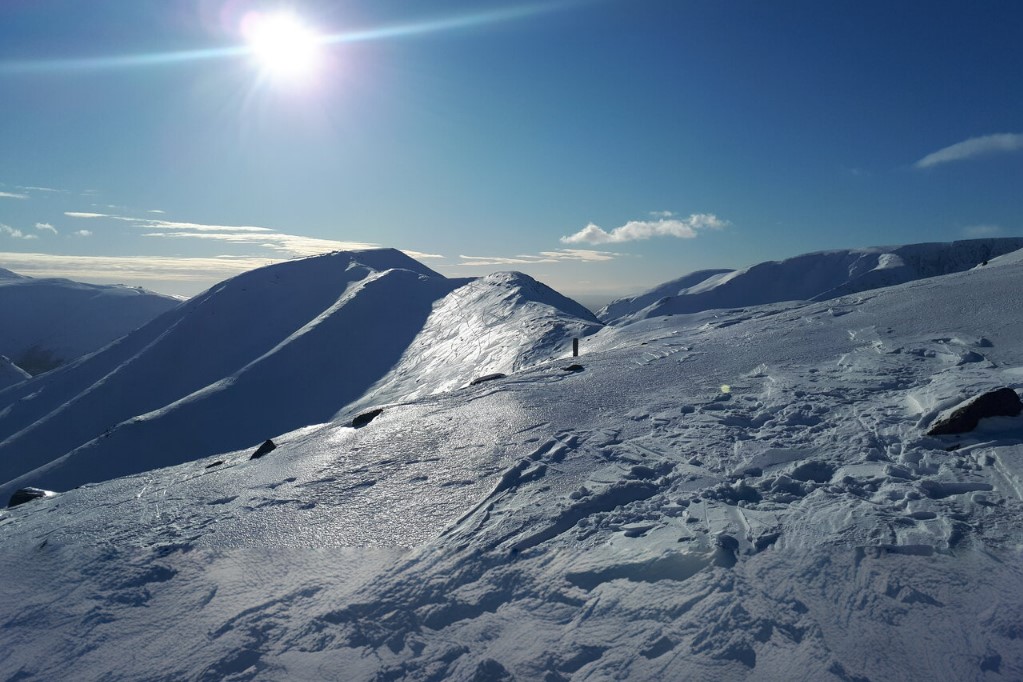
<point x="263" y="353"/>
<point x="813" y="276"/>
<point x="497" y="324"/>
<point x="676" y="287"/>
<point x="10" y="373"/>
<point x="49" y="322"/>
<point x="750" y="495"/>
<point x="208" y="340"/>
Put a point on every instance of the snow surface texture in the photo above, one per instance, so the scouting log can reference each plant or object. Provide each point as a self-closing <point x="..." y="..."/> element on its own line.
<point x="742" y="494"/>
<point x="48" y="322"/>
<point x="266" y="352"/>
<point x="814" y="276"/>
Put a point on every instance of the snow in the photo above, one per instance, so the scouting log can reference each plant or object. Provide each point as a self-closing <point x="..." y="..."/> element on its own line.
<point x="270" y="351"/>
<point x="814" y="276"/>
<point x="632" y="520"/>
<point x="48" y="322"/>
<point x="498" y="324"/>
<point x="10" y="373"/>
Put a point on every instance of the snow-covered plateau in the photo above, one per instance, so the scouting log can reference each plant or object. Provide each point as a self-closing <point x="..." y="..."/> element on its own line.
<point x="738" y="493"/>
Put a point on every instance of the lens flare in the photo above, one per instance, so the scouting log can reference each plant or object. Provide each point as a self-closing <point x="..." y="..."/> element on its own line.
<point x="284" y="47"/>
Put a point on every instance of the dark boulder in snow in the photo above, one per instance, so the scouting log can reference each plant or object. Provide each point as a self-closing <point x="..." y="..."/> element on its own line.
<point x="487" y="377"/>
<point x="964" y="417"/>
<point x="27" y="495"/>
<point x="366" y="417"/>
<point x="267" y="447"/>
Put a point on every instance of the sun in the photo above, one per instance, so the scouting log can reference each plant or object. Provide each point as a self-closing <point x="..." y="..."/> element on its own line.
<point x="285" y="48"/>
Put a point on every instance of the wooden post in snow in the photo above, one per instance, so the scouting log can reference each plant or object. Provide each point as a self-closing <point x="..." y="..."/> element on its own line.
<point x="575" y="348"/>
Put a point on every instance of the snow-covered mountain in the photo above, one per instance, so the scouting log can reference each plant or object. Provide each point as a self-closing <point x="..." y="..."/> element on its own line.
<point x="739" y="495"/>
<point x="266" y="352"/>
<point x="49" y="322"/>
<point x="814" y="276"/>
<point x="497" y="324"/>
<point x="10" y="373"/>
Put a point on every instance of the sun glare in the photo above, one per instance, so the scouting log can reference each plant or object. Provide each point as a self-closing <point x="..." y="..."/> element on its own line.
<point x="285" y="48"/>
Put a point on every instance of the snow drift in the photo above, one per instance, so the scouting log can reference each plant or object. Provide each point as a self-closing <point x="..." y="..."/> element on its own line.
<point x="814" y="276"/>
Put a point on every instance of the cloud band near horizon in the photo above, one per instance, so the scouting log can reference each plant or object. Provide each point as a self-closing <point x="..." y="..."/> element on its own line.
<point x="987" y="145"/>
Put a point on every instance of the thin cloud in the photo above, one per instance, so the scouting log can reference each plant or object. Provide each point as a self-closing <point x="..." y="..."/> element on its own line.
<point x="82" y="233"/>
<point x="155" y="210"/>
<point x="587" y="255"/>
<point x="972" y="148"/>
<point x="419" y="255"/>
<point x="84" y="214"/>
<point x="12" y="195"/>
<point x="558" y="256"/>
<point x="979" y="231"/>
<point x="46" y="227"/>
<point x="130" y="268"/>
<point x="154" y="224"/>
<point x="30" y="188"/>
<point x="265" y="237"/>
<point x="681" y="228"/>
<point x="16" y="234"/>
<point x="290" y="244"/>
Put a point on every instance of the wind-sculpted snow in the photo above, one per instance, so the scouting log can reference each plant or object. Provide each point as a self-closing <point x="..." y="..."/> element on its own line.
<point x="48" y="322"/>
<point x="742" y="494"/>
<point x="814" y="276"/>
<point x="497" y="324"/>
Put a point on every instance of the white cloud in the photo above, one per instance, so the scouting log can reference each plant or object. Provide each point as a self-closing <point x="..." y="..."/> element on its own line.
<point x="130" y="268"/>
<point x="979" y="231"/>
<point x="81" y="214"/>
<point x="153" y="224"/>
<point x="682" y="228"/>
<point x="42" y="189"/>
<point x="16" y="234"/>
<point x="46" y="227"/>
<point x="155" y="210"/>
<point x="419" y="255"/>
<point x="12" y="195"/>
<point x="557" y="256"/>
<point x="974" y="147"/>
<point x="588" y="255"/>
<point x="290" y="244"/>
<point x="82" y="233"/>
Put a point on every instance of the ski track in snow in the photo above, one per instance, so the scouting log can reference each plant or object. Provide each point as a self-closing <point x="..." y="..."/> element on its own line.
<point x="633" y="520"/>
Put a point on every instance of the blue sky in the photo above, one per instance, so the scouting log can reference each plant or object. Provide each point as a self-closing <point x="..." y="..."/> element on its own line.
<point x="602" y="146"/>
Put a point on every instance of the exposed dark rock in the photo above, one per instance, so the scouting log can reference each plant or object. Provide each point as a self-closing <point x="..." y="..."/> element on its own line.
<point x="964" y="417"/>
<point x="572" y="368"/>
<point x="267" y="447"/>
<point x="366" y="417"/>
<point x="487" y="377"/>
<point x="215" y="464"/>
<point x="27" y="495"/>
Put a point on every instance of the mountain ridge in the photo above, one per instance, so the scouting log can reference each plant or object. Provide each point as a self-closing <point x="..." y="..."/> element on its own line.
<point x="819" y="275"/>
